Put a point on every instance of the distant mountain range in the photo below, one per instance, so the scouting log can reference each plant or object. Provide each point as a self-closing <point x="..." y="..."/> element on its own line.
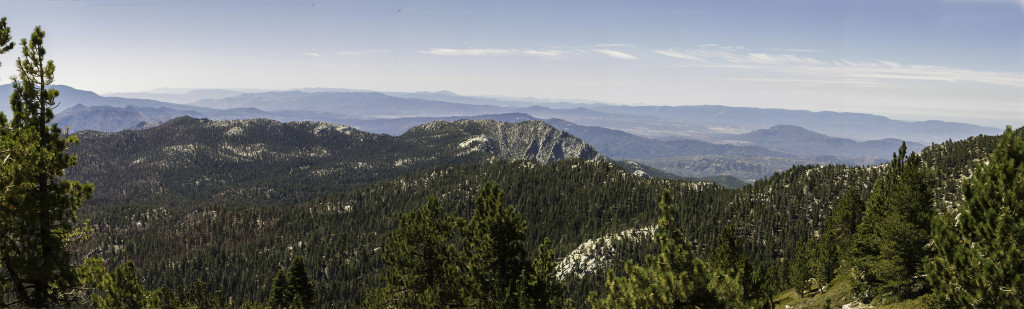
<point x="800" y="141"/>
<point x="691" y="141"/>
<point x="179" y="97"/>
<point x="695" y="122"/>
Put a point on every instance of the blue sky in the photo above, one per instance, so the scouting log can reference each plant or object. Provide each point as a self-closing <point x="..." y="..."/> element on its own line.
<point x="950" y="60"/>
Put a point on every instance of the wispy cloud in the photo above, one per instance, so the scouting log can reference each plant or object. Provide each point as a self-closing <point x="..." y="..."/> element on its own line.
<point x="616" y="54"/>
<point x="796" y="50"/>
<point x="547" y="52"/>
<point x="490" y="52"/>
<point x="311" y="54"/>
<point x="808" y="70"/>
<point x="361" y="52"/>
<point x="713" y="52"/>
<point x="677" y="55"/>
<point x="613" y="45"/>
<point x="720" y="47"/>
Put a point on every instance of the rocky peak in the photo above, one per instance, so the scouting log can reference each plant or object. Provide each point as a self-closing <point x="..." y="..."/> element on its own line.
<point x="529" y="140"/>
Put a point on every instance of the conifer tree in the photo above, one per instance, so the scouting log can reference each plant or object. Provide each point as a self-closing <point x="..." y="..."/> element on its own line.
<point x="542" y="287"/>
<point x="427" y="267"/>
<point x="980" y="258"/>
<point x="890" y="242"/>
<point x="728" y="256"/>
<point x="37" y="206"/>
<point x="299" y="284"/>
<point x="495" y="248"/>
<point x="843" y="221"/>
<point x="280" y="295"/>
<point x="5" y="174"/>
<point x="420" y="262"/>
<point x="121" y="288"/>
<point x="675" y="278"/>
<point x="826" y="259"/>
<point x="736" y="278"/>
<point x="799" y="273"/>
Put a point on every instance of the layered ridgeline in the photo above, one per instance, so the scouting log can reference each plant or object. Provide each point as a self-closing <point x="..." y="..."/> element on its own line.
<point x="689" y="141"/>
<point x="229" y="203"/>
<point x="266" y="162"/>
<point x="748" y="156"/>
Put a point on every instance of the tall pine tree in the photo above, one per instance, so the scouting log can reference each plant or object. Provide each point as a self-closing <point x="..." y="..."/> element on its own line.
<point x="440" y="261"/>
<point x="675" y="278"/>
<point x="37" y="206"/>
<point x="300" y="285"/>
<point x="495" y="246"/>
<point x="280" y="293"/>
<point x="980" y="259"/>
<point x="890" y="242"/>
<point x="421" y="262"/>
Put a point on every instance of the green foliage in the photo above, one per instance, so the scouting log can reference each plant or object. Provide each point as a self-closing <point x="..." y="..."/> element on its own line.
<point x="890" y="241"/>
<point x="234" y="226"/>
<point x="38" y="219"/>
<point x="437" y="261"/>
<point x="195" y="295"/>
<point x="494" y="243"/>
<point x="842" y="223"/>
<point x="421" y="262"/>
<point x="5" y="37"/>
<point x="826" y="260"/>
<point x="799" y="272"/>
<point x="728" y="256"/>
<point x="543" y="289"/>
<point x="293" y="288"/>
<point x="121" y="288"/>
<point x="674" y="277"/>
<point x="299" y="283"/>
<point x="281" y="295"/>
<point x="980" y="260"/>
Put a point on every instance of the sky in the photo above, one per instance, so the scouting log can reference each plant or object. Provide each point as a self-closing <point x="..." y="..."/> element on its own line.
<point x="952" y="60"/>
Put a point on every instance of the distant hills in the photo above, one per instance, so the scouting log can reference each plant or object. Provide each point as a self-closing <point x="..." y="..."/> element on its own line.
<point x="690" y="141"/>
<point x="356" y="104"/>
<point x="179" y="96"/>
<point x="855" y="126"/>
<point x="800" y="141"/>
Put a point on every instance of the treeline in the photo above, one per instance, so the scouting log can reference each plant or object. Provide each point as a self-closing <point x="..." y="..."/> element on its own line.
<point x="903" y="245"/>
<point x="895" y="246"/>
<point x="237" y="249"/>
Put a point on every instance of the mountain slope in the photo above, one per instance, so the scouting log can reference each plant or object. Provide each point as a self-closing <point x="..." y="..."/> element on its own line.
<point x="800" y="141"/>
<point x="235" y="199"/>
<point x="236" y="162"/>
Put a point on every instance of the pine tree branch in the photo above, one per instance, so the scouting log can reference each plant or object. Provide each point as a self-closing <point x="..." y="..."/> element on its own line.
<point x="19" y="286"/>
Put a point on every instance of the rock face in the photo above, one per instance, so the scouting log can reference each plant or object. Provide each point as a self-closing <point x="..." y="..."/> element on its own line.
<point x="528" y="140"/>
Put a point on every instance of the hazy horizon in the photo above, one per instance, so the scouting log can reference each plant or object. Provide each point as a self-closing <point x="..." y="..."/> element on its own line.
<point x="955" y="60"/>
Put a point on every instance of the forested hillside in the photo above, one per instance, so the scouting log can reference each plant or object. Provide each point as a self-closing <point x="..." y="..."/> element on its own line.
<point x="237" y="243"/>
<point x="269" y="163"/>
